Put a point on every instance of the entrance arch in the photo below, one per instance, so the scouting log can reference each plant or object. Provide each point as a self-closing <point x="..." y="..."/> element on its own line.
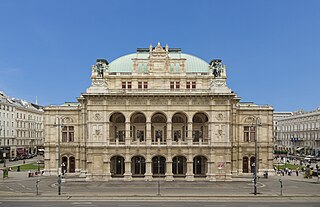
<point x="245" y="165"/>
<point x="138" y="166"/>
<point x="117" y="166"/>
<point x="158" y="166"/>
<point x="72" y="163"/>
<point x="200" y="166"/>
<point x="179" y="166"/>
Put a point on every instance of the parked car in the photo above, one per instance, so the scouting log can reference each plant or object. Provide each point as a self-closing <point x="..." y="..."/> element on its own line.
<point x="12" y="159"/>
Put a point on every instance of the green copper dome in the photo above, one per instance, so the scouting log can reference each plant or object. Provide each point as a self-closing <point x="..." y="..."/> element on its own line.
<point x="125" y="63"/>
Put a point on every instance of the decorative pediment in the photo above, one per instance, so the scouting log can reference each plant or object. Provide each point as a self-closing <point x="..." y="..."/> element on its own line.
<point x="249" y="120"/>
<point x="67" y="120"/>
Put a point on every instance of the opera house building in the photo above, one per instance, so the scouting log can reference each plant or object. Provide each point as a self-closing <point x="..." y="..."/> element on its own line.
<point x="155" y="114"/>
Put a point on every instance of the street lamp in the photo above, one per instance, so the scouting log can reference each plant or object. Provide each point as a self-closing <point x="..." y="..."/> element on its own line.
<point x="257" y="123"/>
<point x="59" y="125"/>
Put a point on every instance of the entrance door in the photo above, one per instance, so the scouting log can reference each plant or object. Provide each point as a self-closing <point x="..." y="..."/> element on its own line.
<point x="245" y="167"/>
<point x="72" y="163"/>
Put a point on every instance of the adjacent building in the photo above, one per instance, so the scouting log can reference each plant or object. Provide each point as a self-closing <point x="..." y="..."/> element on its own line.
<point x="158" y="113"/>
<point x="21" y="128"/>
<point x="299" y="133"/>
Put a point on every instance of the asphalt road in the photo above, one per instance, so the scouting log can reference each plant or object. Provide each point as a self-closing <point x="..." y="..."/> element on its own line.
<point x="233" y="203"/>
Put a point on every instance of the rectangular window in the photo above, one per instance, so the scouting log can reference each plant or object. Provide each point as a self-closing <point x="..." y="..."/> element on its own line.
<point x="124" y="85"/>
<point x="68" y="134"/>
<point x="193" y="84"/>
<point x="145" y="85"/>
<point x="129" y="85"/>
<point x="139" y="85"/>
<point x="177" y="84"/>
<point x="249" y="133"/>
<point x="64" y="134"/>
<point x="188" y="84"/>
<point x="171" y="85"/>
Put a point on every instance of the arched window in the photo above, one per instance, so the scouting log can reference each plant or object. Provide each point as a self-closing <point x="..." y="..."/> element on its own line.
<point x="138" y="166"/>
<point x="117" y="127"/>
<point x="117" y="166"/>
<point x="158" y="166"/>
<point x="200" y="166"/>
<point x="179" y="166"/>
<point x="200" y="128"/>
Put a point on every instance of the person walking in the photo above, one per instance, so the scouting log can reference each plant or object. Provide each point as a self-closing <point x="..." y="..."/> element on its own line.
<point x="297" y="171"/>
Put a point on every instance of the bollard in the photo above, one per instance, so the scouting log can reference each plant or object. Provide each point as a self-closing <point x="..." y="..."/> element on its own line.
<point x="280" y="187"/>
<point x="37" y="186"/>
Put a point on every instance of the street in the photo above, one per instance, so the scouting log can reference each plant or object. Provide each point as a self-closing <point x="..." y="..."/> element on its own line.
<point x="233" y="203"/>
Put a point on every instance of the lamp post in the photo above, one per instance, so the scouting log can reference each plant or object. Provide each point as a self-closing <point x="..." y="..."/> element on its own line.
<point x="257" y="123"/>
<point x="59" y="125"/>
<point x="158" y="177"/>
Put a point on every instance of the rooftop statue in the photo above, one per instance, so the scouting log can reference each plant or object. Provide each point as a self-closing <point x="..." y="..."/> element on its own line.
<point x="100" y="67"/>
<point x="217" y="67"/>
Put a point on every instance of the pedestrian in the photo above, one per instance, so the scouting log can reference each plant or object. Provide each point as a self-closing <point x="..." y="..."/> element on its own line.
<point x="297" y="171"/>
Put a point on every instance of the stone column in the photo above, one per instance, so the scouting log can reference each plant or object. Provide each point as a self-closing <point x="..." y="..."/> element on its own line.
<point x="148" y="134"/>
<point x="127" y="128"/>
<point x="169" y="174"/>
<point x="169" y="133"/>
<point x="189" y="174"/>
<point x="148" y="174"/>
<point x="107" y="134"/>
<point x="190" y="129"/>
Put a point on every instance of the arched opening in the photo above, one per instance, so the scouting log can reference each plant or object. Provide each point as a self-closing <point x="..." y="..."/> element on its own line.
<point x="245" y="165"/>
<point x="138" y="166"/>
<point x="179" y="127"/>
<point x="179" y="166"/>
<point x="200" y="128"/>
<point x="138" y="127"/>
<point x="72" y="164"/>
<point x="252" y="163"/>
<point x="64" y="165"/>
<point x="200" y="166"/>
<point x="159" y="128"/>
<point x="117" y="128"/>
<point x="158" y="166"/>
<point x="117" y="167"/>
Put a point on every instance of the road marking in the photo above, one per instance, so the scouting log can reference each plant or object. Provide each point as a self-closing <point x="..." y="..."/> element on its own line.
<point x="82" y="203"/>
<point x="171" y="205"/>
<point x="128" y="205"/>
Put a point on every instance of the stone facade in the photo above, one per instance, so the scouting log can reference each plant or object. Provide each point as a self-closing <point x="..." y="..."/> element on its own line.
<point x="300" y="133"/>
<point x="21" y="126"/>
<point x="158" y="114"/>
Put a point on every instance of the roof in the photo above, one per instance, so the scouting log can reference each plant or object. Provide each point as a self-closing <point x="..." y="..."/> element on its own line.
<point x="125" y="64"/>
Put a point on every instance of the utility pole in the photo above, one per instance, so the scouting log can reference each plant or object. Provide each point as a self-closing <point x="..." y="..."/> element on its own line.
<point x="59" y="125"/>
<point x="258" y="122"/>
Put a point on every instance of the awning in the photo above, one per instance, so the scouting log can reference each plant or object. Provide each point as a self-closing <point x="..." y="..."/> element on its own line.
<point x="300" y="148"/>
<point x="20" y="151"/>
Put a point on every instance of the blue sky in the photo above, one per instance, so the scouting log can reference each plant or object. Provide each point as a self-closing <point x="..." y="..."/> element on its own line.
<point x="271" y="48"/>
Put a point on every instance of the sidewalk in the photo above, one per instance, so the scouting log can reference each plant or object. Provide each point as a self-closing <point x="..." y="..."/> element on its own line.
<point x="19" y="186"/>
